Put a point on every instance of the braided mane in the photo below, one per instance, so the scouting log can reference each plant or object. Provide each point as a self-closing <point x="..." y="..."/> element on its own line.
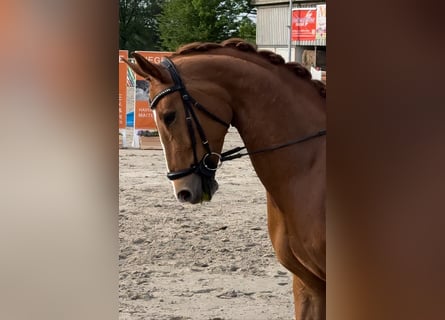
<point x="270" y="56"/>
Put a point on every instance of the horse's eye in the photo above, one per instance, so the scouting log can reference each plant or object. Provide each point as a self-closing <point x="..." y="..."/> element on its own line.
<point x="169" y="118"/>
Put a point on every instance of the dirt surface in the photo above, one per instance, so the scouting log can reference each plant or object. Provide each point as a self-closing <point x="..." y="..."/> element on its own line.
<point x="208" y="261"/>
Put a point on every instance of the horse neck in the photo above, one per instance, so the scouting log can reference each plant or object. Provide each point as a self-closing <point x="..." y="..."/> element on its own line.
<point x="271" y="107"/>
<point x="273" y="116"/>
<point x="260" y="94"/>
<point x="276" y="112"/>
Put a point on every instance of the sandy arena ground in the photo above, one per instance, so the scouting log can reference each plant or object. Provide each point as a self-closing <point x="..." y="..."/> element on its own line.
<point x="208" y="261"/>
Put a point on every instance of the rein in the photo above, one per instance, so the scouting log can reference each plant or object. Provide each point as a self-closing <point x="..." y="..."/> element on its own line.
<point x="206" y="167"/>
<point x="232" y="153"/>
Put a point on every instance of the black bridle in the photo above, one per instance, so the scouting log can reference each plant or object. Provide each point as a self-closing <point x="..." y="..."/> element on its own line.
<point x="206" y="166"/>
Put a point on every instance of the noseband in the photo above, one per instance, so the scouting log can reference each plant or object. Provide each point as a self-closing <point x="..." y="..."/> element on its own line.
<point x="206" y="167"/>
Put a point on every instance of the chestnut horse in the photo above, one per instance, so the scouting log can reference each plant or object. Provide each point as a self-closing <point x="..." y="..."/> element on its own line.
<point x="280" y="114"/>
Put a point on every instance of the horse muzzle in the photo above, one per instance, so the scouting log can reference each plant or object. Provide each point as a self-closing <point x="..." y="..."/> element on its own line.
<point x="195" y="188"/>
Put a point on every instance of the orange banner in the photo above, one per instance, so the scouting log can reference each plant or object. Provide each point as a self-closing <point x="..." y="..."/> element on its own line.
<point x="143" y="116"/>
<point x="122" y="89"/>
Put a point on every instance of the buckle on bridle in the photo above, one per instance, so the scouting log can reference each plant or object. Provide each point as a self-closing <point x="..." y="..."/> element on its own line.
<point x="211" y="166"/>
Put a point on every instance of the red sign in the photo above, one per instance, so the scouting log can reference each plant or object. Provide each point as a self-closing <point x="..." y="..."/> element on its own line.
<point x="303" y="24"/>
<point x="143" y="116"/>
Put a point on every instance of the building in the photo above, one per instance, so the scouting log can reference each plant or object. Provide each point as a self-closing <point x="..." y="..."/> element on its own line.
<point x="273" y="32"/>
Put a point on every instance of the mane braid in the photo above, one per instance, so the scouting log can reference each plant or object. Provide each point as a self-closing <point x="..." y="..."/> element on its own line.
<point x="242" y="45"/>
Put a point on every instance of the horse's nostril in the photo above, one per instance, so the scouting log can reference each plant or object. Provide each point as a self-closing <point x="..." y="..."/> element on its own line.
<point x="184" y="196"/>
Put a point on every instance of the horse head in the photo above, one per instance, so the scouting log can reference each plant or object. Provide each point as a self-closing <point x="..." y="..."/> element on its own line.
<point x="192" y="135"/>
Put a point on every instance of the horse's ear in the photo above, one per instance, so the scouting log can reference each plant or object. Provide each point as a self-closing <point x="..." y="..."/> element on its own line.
<point x="146" y="69"/>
